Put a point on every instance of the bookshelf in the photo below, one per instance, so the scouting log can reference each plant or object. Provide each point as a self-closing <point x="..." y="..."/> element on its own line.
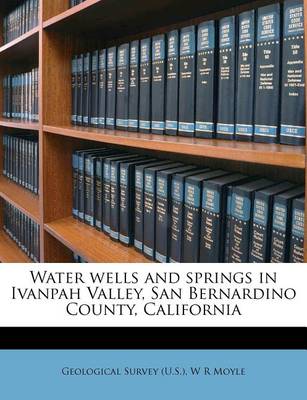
<point x="61" y="33"/>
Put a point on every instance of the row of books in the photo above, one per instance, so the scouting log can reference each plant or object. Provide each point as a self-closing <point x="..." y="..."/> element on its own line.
<point x="20" y="160"/>
<point x="21" y="20"/>
<point x="240" y="78"/>
<point x="75" y="2"/>
<point x="22" y="230"/>
<point x="182" y="213"/>
<point x="20" y="96"/>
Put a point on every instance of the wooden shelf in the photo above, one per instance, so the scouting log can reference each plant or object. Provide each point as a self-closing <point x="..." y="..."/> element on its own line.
<point x="10" y="252"/>
<point x="17" y="124"/>
<point x="90" y="244"/>
<point x="21" y="47"/>
<point x="21" y="198"/>
<point x="260" y="153"/>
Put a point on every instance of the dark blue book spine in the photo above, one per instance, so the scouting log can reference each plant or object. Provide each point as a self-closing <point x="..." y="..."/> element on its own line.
<point x="102" y="88"/>
<point x="212" y="220"/>
<point x="240" y="228"/>
<point x="94" y="89"/>
<point x="86" y="89"/>
<point x="122" y="94"/>
<point x="297" y="232"/>
<point x="92" y="198"/>
<point x="162" y="219"/>
<point x="139" y="209"/>
<point x="245" y="77"/>
<point x="81" y="188"/>
<point x="158" y="85"/>
<point x="227" y="79"/>
<point x="149" y="214"/>
<point x="267" y="89"/>
<point x="279" y="250"/>
<point x="126" y="206"/>
<point x="176" y="235"/>
<point x="145" y="87"/>
<point x="228" y="225"/>
<point x="80" y="90"/>
<point x="111" y="88"/>
<point x="187" y="80"/>
<point x="260" y="234"/>
<point x="75" y="169"/>
<point x="292" y="129"/>
<point x="114" y="201"/>
<point x="74" y="96"/>
<point x="134" y="88"/>
<point x="172" y="84"/>
<point x="206" y="80"/>
<point x="191" y="225"/>
<point x="88" y="181"/>
<point x="98" y="195"/>
<point x="106" y="197"/>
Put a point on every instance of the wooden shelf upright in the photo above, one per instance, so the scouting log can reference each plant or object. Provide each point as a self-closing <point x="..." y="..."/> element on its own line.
<point x="64" y="31"/>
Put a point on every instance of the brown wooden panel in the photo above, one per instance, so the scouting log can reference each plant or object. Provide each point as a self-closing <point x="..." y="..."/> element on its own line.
<point x="54" y="251"/>
<point x="10" y="252"/>
<point x="92" y="245"/>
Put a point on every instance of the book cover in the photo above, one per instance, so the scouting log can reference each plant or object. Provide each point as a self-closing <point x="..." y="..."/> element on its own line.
<point x="245" y="77"/>
<point x="158" y="85"/>
<point x="74" y="96"/>
<point x="172" y="83"/>
<point x="145" y="86"/>
<point x="281" y="226"/>
<point x="292" y="129"/>
<point x="134" y="77"/>
<point x="206" y="80"/>
<point x="297" y="231"/>
<point x="267" y="89"/>
<point x="111" y="88"/>
<point x="86" y="88"/>
<point x="122" y="89"/>
<point x="260" y="244"/>
<point x="102" y="88"/>
<point x="80" y="90"/>
<point x="241" y="219"/>
<point x="227" y="78"/>
<point x="187" y="67"/>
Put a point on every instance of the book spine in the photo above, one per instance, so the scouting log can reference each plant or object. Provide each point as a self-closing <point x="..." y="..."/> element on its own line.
<point x="191" y="225"/>
<point x="81" y="188"/>
<point x="106" y="197"/>
<point x="139" y="209"/>
<point x="145" y="86"/>
<point x="158" y="85"/>
<point x="228" y="225"/>
<point x="279" y="244"/>
<point x="88" y="190"/>
<point x="292" y="129"/>
<point x="134" y="76"/>
<point x="122" y="94"/>
<point x="260" y="232"/>
<point x="125" y="202"/>
<point x="240" y="228"/>
<point x="172" y="84"/>
<point x="80" y="90"/>
<point x="267" y="99"/>
<point x="74" y="90"/>
<point x="102" y="89"/>
<point x="162" y="219"/>
<point x="86" y="89"/>
<point x="114" y="201"/>
<point x="297" y="233"/>
<point x="111" y="88"/>
<point x="176" y="235"/>
<point x="149" y="214"/>
<point x="245" y="77"/>
<point x="186" y="126"/>
<point x="211" y="241"/>
<point x="206" y="81"/>
<point x="98" y="195"/>
<point x="227" y="79"/>
<point x="94" y="90"/>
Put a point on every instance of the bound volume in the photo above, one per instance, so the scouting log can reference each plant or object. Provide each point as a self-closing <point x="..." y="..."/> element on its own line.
<point x="267" y="95"/>
<point x="111" y="88"/>
<point x="134" y="76"/>
<point x="206" y="82"/>
<point x="122" y="93"/>
<point x="172" y="83"/>
<point x="102" y="88"/>
<point x="297" y="231"/>
<point x="187" y="82"/>
<point x="145" y="86"/>
<point x="227" y="79"/>
<point x="292" y="130"/>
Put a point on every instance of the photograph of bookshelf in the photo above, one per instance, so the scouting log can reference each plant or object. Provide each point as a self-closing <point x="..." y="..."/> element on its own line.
<point x="61" y="32"/>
